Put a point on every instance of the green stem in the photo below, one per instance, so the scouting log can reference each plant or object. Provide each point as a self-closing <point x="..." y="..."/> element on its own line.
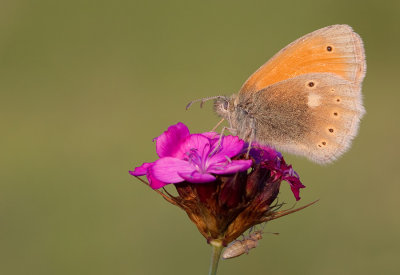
<point x="216" y="254"/>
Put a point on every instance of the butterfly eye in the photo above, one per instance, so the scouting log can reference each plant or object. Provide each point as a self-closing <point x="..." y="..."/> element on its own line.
<point x="226" y="104"/>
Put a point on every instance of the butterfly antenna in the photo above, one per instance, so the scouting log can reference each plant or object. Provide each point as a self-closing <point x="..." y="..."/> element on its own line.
<point x="203" y="100"/>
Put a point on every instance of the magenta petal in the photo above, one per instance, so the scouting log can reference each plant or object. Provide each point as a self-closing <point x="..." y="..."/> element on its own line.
<point x="168" y="143"/>
<point x="230" y="168"/>
<point x="166" y="169"/>
<point x="154" y="183"/>
<point x="141" y="170"/>
<point x="133" y="173"/>
<point x="230" y="146"/>
<point x="262" y="152"/>
<point x="211" y="135"/>
<point x="196" y="177"/>
<point x="196" y="142"/>
<point x="144" y="170"/>
<point x="295" y="185"/>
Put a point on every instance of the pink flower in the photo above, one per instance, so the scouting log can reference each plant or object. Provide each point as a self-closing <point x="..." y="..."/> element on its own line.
<point x="223" y="190"/>
<point x="195" y="158"/>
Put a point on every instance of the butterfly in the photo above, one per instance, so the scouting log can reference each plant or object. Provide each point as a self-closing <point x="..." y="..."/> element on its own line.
<point x="306" y="100"/>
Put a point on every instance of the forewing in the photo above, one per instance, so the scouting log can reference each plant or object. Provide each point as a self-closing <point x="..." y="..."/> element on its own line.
<point x="334" y="49"/>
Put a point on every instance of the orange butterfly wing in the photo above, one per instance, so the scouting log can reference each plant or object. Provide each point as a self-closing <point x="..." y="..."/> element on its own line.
<point x="335" y="49"/>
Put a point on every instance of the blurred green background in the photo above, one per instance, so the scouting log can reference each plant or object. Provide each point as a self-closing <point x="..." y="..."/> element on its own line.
<point x="86" y="85"/>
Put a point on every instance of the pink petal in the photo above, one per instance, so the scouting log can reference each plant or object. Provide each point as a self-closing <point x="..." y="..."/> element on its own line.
<point x="166" y="169"/>
<point x="230" y="168"/>
<point x="168" y="143"/>
<point x="154" y="183"/>
<point x="262" y="152"/>
<point x="144" y="170"/>
<point x="230" y="146"/>
<point x="196" y="141"/>
<point x="141" y="170"/>
<point x="196" y="177"/>
<point x="295" y="185"/>
<point x="213" y="136"/>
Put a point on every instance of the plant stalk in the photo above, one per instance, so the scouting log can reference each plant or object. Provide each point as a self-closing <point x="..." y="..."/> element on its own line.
<point x="215" y="256"/>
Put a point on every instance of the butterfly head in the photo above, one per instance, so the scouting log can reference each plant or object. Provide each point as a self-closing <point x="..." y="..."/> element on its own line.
<point x="224" y="106"/>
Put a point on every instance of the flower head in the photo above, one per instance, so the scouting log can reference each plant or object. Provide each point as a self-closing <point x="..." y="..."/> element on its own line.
<point x="194" y="158"/>
<point x="223" y="190"/>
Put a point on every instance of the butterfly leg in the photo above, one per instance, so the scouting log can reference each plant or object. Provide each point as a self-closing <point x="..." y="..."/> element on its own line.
<point x="252" y="136"/>
<point x="216" y="126"/>
<point x="233" y="131"/>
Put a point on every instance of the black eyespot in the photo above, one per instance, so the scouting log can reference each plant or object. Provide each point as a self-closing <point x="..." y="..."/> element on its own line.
<point x="338" y="100"/>
<point x="311" y="84"/>
<point x="335" y="114"/>
<point x="329" y="48"/>
<point x="331" y="130"/>
<point x="323" y="143"/>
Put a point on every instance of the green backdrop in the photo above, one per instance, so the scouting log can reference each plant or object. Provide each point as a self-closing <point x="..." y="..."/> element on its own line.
<point x="86" y="85"/>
